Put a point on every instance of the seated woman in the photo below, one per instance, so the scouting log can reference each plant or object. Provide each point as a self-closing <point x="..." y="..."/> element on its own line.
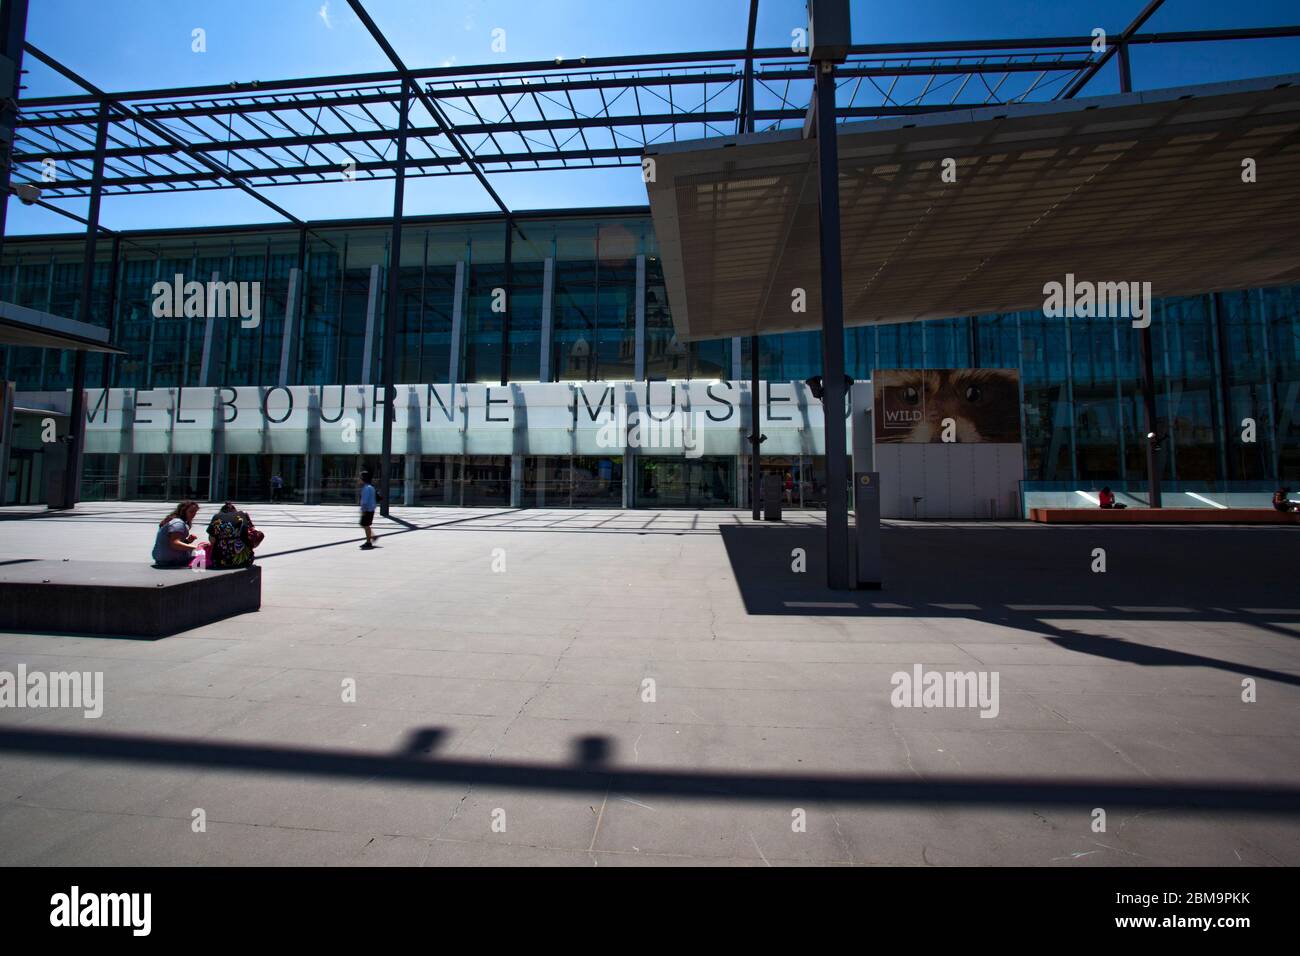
<point x="173" y="545"/>
<point x="1280" y="502"/>
<point x="1107" y="499"/>
<point x="232" y="537"/>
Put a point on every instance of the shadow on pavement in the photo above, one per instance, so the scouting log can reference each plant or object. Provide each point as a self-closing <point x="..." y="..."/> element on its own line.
<point x="591" y="772"/>
<point x="1025" y="577"/>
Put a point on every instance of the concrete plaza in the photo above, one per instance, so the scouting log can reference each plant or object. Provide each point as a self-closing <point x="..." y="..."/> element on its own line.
<point x="502" y="714"/>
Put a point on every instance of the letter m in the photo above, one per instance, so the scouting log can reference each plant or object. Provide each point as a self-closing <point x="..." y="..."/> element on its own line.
<point x="607" y="394"/>
<point x="961" y="689"/>
<point x="65" y="687"/>
<point x="100" y="406"/>
<point x="117" y="904"/>
<point x="1111" y="296"/>
<point x="223" y="299"/>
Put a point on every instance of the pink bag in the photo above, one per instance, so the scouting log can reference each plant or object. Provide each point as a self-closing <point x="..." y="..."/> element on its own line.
<point x="202" y="559"/>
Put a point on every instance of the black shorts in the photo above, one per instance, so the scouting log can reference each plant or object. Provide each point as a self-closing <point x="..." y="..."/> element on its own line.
<point x="366" y="518"/>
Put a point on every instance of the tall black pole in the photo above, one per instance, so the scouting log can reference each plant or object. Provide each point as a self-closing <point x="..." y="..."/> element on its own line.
<point x="1144" y="346"/>
<point x="13" y="32"/>
<point x="77" y="409"/>
<point x="391" y="306"/>
<point x="755" y="438"/>
<point x="828" y="196"/>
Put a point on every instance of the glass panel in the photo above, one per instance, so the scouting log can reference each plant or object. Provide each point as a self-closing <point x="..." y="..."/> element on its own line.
<point x="99" y="477"/>
<point x="486" y="481"/>
<point x="707" y="482"/>
<point x="597" y="482"/>
<point x="440" y="485"/>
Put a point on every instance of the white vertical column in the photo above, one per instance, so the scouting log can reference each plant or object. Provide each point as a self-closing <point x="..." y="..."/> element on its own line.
<point x="457" y="323"/>
<point x="372" y="304"/>
<point x="290" y="323"/>
<point x="548" y="299"/>
<point x="516" y="481"/>
<point x="639" y="373"/>
<point x="205" y="364"/>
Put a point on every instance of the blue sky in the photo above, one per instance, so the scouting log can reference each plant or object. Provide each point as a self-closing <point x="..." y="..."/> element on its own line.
<point x="142" y="44"/>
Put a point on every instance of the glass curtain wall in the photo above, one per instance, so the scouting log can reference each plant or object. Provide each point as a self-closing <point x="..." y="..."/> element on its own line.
<point x="1227" y="365"/>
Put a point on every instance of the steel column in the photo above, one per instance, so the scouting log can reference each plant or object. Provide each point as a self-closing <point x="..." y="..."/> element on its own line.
<point x="755" y="437"/>
<point x="1144" y="337"/>
<point x="77" y="408"/>
<point x="391" y="306"/>
<point x="838" y="560"/>
<point x="13" y="31"/>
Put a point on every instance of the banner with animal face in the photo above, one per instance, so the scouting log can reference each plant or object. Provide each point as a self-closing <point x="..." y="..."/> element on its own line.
<point x="973" y="405"/>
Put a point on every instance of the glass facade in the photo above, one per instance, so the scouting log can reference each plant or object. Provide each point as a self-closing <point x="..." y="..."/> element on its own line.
<point x="581" y="298"/>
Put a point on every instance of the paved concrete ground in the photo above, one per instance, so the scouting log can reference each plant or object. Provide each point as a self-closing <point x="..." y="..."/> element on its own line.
<point x="516" y="696"/>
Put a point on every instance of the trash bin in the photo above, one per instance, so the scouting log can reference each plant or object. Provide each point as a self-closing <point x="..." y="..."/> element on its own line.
<point x="772" y="491"/>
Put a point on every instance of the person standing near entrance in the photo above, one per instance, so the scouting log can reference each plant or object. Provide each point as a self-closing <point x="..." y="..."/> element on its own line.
<point x="369" y="499"/>
<point x="277" y="487"/>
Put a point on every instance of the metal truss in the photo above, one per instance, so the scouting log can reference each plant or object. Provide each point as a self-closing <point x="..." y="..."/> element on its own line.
<point x="510" y="118"/>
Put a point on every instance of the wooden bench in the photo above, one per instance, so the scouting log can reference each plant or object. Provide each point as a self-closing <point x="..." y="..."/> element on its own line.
<point x="120" y="599"/>
<point x="1162" y="516"/>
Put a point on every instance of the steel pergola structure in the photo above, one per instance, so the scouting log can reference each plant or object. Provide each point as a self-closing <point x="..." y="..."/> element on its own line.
<point x="592" y="113"/>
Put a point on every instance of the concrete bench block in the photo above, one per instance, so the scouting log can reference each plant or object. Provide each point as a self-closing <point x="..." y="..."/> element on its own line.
<point x="120" y="599"/>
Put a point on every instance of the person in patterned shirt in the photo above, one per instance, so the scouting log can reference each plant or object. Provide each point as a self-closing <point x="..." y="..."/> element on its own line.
<point x="232" y="537"/>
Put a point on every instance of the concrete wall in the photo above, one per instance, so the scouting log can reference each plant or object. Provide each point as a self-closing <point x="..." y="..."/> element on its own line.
<point x="953" y="480"/>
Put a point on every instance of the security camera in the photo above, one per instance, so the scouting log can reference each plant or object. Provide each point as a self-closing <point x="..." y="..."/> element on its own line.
<point x="818" y="388"/>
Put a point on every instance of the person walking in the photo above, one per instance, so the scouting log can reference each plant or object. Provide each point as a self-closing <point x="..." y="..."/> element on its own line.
<point x="369" y="501"/>
<point x="277" y="487"/>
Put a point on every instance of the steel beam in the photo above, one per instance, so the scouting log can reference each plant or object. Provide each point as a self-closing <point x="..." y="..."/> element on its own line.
<point x="465" y="155"/>
<point x="1117" y="44"/>
<point x="157" y="130"/>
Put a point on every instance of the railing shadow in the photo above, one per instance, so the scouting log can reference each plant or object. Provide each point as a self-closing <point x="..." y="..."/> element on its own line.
<point x="592" y="771"/>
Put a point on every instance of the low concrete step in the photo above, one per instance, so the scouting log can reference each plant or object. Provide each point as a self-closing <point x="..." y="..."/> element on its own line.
<point x="120" y="599"/>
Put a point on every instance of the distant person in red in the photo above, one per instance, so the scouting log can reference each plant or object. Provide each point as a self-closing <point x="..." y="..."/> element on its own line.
<point x="1280" y="502"/>
<point x="1107" y="499"/>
